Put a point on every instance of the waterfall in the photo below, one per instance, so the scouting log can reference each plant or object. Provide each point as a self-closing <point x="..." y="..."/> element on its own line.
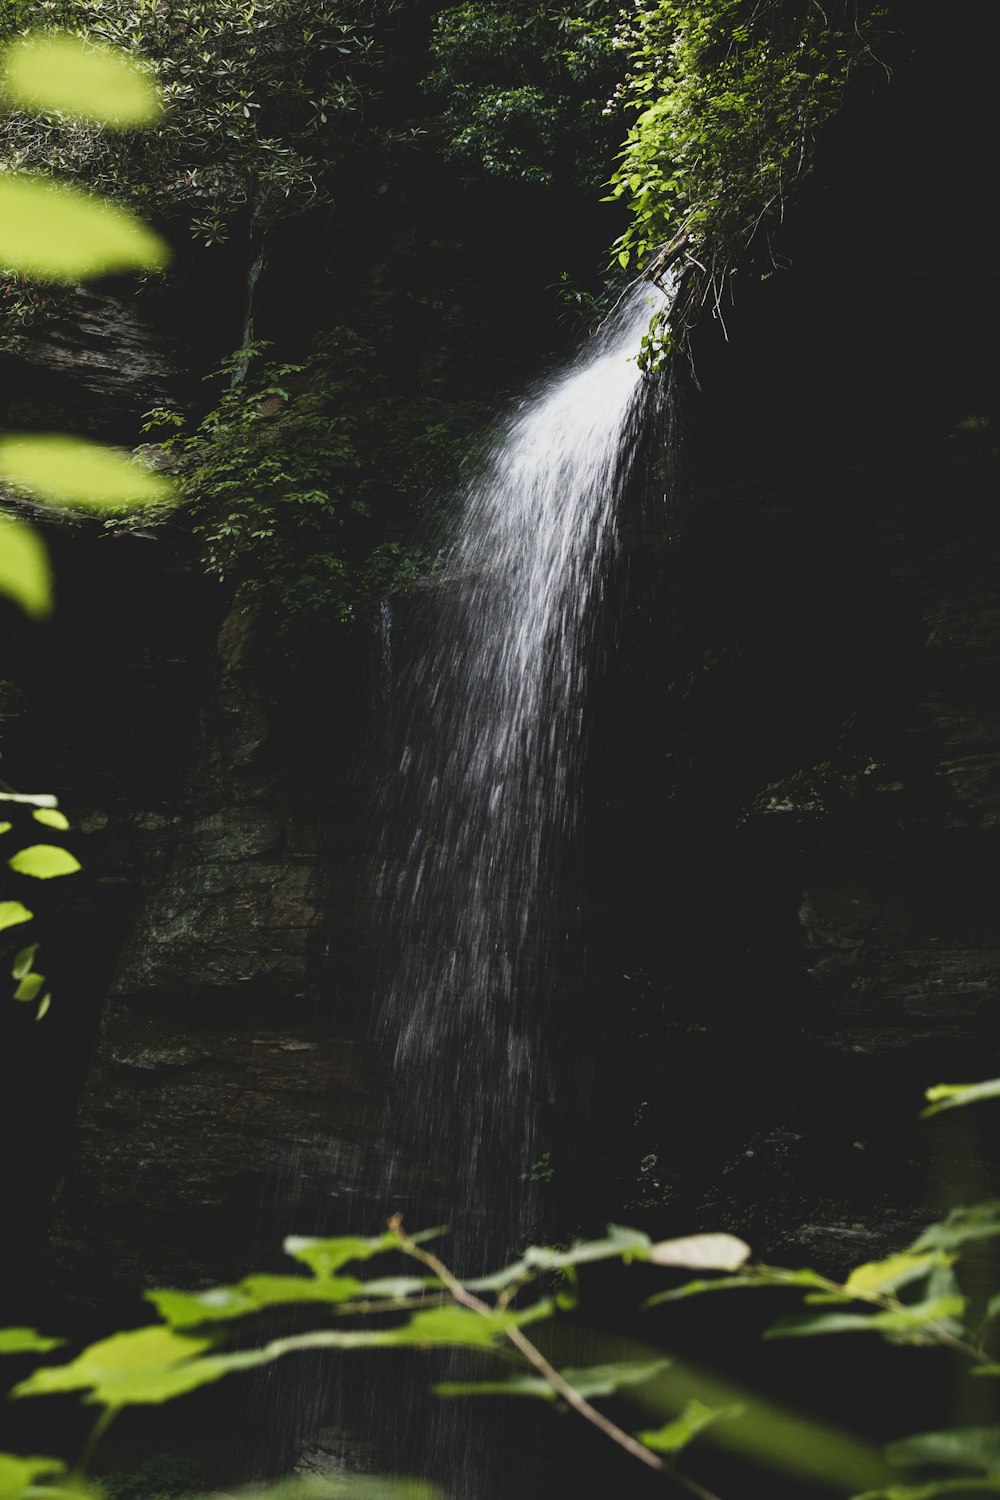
<point x="481" y="808"/>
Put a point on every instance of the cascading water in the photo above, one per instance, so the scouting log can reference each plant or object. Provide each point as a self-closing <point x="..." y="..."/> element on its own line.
<point x="492" y="726"/>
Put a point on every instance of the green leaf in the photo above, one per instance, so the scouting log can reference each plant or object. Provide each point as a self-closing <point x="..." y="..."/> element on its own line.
<point x="696" y="1416"/>
<point x="880" y="1276"/>
<point x="753" y="1276"/>
<point x="26" y="1341"/>
<point x="16" y="1474"/>
<point x="25" y="575"/>
<point x="909" y="1321"/>
<point x="976" y="1448"/>
<point x="252" y="1295"/>
<point x="53" y="232"/>
<point x="23" y="962"/>
<point x="44" y="861"/>
<point x="143" y="1365"/>
<point x="6" y="827"/>
<point x="595" y="1380"/>
<point x="73" y="471"/>
<point x="702" y="1252"/>
<point x="980" y="1222"/>
<point x="44" y="1005"/>
<point x="51" y="817"/>
<point x="621" y="1244"/>
<point x="12" y="913"/>
<point x="79" y="79"/>
<point x="30" y="988"/>
<point x="323" y="1257"/>
<point x="957" y="1095"/>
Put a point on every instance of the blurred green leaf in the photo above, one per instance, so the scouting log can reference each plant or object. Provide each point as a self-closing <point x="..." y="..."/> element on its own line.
<point x="323" y="1257"/>
<point x="932" y="1491"/>
<point x="50" y="231"/>
<point x="753" y="1276"/>
<point x="696" y="1416"/>
<point x="16" y="1473"/>
<point x="25" y="575"/>
<point x="26" y="1341"/>
<point x="73" y="471"/>
<point x="78" y="78"/>
<point x="595" y="1380"/>
<point x="980" y="1222"/>
<point x="957" y="1095"/>
<point x="976" y="1448"/>
<point x="908" y="1320"/>
<point x="23" y="961"/>
<point x="44" y="861"/>
<point x="880" y="1276"/>
<point x="253" y="1294"/>
<point x="51" y="817"/>
<point x="12" y="913"/>
<point x="30" y="987"/>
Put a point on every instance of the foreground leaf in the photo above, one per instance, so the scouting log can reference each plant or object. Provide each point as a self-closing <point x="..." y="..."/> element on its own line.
<point x="881" y="1276"/>
<point x="980" y="1222"/>
<point x="25" y="575"/>
<point x="16" y="1473"/>
<point x="117" y="1360"/>
<point x="12" y="913"/>
<point x="252" y="1295"/>
<point x="44" y="861"/>
<point x="323" y="1257"/>
<point x="976" y="1448"/>
<point x="957" y="1095"/>
<point x="595" y="1380"/>
<point x="26" y="1341"/>
<point x="675" y="1435"/>
<point x="702" y="1252"/>
<point x="906" y="1322"/>
<point x="74" y="471"/>
<point x="53" y="232"/>
<point x="64" y="73"/>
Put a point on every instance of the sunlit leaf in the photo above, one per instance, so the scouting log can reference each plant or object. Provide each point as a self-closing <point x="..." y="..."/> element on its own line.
<point x="595" y="1380"/>
<point x="54" y="232"/>
<point x="253" y="1294"/>
<point x="323" y="1257"/>
<point x="16" y="1473"/>
<point x="31" y="799"/>
<point x="12" y="912"/>
<point x="26" y="1341"/>
<point x="51" y="817"/>
<point x="6" y="827"/>
<point x="116" y="1361"/>
<point x="43" y="861"/>
<point x="73" y="471"/>
<point x="696" y="1416"/>
<point x="44" y="1006"/>
<point x="702" y="1252"/>
<point x="64" y="73"/>
<point x="880" y="1276"/>
<point x="957" y="1095"/>
<point x="25" y="575"/>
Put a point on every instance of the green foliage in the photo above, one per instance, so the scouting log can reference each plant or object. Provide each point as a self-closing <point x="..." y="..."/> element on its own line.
<point x="726" y="99"/>
<point x="525" y="88"/>
<point x="283" y="476"/>
<point x="248" y="91"/>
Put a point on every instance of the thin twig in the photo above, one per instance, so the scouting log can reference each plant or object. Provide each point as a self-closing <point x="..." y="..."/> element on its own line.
<point x="548" y="1372"/>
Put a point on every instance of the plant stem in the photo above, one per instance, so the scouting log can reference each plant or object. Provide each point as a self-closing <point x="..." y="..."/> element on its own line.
<point x="549" y="1373"/>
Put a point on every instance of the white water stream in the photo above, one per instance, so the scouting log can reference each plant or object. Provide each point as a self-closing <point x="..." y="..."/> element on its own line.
<point x="493" y="724"/>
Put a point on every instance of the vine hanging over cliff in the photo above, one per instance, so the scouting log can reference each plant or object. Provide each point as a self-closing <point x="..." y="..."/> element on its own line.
<point x="728" y="98"/>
